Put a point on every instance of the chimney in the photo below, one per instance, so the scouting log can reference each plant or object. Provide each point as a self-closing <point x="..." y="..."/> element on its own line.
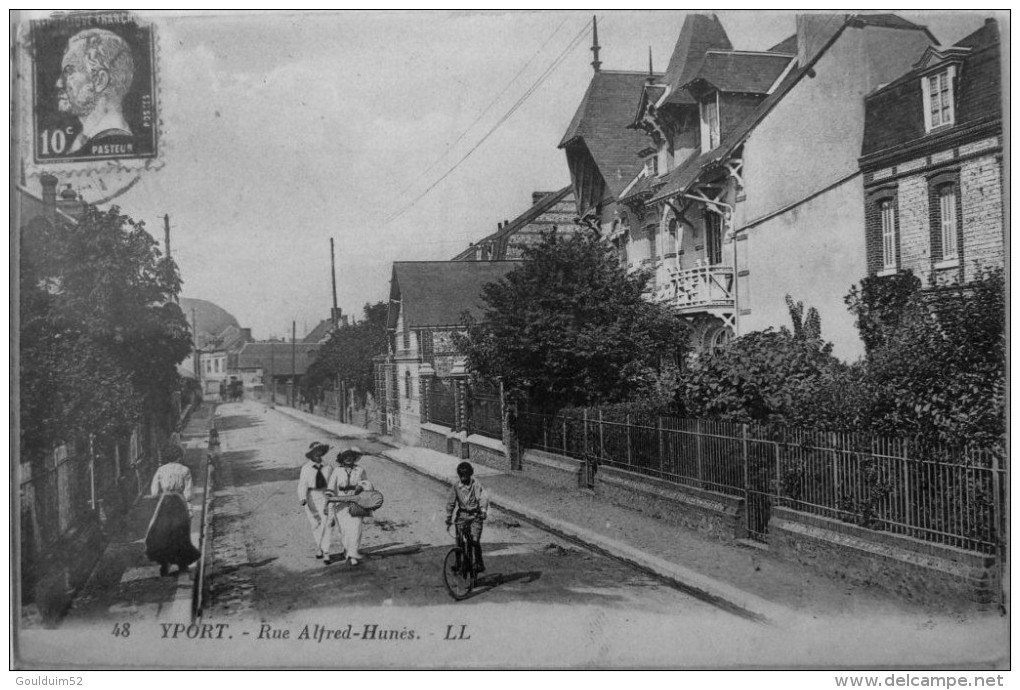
<point x="343" y="320"/>
<point x="813" y="32"/>
<point x="246" y="335"/>
<point x="49" y="195"/>
<point x="69" y="203"/>
<point x="336" y="315"/>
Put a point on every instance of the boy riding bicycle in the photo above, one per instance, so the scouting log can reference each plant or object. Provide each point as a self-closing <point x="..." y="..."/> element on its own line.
<point x="468" y="506"/>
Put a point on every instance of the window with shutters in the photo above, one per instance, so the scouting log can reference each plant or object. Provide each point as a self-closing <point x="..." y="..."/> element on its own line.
<point x="948" y="222"/>
<point x="887" y="212"/>
<point x="939" y="106"/>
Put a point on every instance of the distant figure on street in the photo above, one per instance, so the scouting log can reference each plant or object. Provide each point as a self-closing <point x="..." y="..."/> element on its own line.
<point x="311" y="491"/>
<point x="349" y="480"/>
<point x="468" y="506"/>
<point x="168" y="539"/>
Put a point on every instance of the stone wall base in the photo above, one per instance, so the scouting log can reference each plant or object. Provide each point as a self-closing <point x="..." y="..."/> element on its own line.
<point x="920" y="571"/>
<point x="711" y="513"/>
<point x="479" y="449"/>
<point x="554" y="470"/>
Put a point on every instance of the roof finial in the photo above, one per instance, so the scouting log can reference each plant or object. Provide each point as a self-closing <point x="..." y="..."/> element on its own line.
<point x="596" y="63"/>
<point x="651" y="72"/>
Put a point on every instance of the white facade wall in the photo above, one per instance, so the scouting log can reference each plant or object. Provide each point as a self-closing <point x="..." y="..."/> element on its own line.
<point x="809" y="144"/>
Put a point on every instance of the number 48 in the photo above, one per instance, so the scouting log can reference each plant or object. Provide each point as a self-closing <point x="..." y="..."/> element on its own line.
<point x="55" y="141"/>
<point x="122" y="630"/>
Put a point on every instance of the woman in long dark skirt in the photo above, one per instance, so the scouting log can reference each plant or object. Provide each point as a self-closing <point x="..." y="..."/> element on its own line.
<point x="169" y="537"/>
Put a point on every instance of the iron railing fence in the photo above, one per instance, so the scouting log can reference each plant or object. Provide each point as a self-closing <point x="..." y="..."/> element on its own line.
<point x="486" y="412"/>
<point x="933" y="492"/>
<point x="443" y="402"/>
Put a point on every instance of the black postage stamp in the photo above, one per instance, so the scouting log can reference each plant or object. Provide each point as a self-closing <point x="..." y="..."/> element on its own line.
<point x="94" y="88"/>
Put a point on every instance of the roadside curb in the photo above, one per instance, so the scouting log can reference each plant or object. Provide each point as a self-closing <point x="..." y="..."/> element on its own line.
<point x="700" y="586"/>
<point x="704" y="588"/>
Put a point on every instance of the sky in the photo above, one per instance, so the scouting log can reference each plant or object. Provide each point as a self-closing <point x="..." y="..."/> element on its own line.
<point x="281" y="131"/>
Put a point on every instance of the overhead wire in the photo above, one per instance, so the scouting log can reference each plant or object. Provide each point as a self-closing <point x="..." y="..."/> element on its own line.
<point x="487" y="108"/>
<point x="574" y="42"/>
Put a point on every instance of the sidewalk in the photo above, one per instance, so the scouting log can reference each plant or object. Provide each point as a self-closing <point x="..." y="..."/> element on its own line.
<point x="742" y="579"/>
<point x="127" y="585"/>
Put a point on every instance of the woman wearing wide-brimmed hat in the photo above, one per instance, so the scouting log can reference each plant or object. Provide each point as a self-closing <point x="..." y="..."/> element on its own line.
<point x="168" y="539"/>
<point x="349" y="479"/>
<point x="311" y="491"/>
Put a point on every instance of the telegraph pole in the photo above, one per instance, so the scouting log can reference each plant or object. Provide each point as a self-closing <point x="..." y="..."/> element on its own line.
<point x="332" y="270"/>
<point x="197" y="357"/>
<point x="293" y="363"/>
<point x="166" y="233"/>
<point x="272" y="373"/>
<point x="338" y="390"/>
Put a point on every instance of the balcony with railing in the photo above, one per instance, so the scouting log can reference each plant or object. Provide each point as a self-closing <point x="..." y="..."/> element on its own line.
<point x="695" y="289"/>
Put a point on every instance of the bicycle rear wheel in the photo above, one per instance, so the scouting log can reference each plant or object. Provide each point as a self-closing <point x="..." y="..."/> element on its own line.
<point x="456" y="574"/>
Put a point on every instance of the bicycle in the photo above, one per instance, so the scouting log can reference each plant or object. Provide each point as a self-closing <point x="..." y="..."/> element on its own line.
<point x="459" y="572"/>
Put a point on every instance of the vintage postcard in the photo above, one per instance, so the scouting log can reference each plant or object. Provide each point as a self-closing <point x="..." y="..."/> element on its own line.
<point x="511" y="340"/>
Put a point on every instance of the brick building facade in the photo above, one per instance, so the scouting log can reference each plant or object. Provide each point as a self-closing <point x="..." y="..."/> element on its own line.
<point x="932" y="165"/>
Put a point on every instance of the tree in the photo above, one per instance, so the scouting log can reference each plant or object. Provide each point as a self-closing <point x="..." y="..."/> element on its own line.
<point x="348" y="353"/>
<point x="100" y="333"/>
<point x="570" y="326"/>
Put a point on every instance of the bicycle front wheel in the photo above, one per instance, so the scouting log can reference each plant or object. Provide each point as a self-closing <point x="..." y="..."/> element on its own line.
<point x="456" y="574"/>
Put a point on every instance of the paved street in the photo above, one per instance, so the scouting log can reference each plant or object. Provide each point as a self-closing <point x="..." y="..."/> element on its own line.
<point x="404" y="543"/>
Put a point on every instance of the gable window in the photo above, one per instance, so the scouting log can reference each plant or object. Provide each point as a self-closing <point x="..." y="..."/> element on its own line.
<point x="407" y="384"/>
<point x="710" y="123"/>
<point x="407" y="338"/>
<point x="887" y="213"/>
<point x="939" y="108"/>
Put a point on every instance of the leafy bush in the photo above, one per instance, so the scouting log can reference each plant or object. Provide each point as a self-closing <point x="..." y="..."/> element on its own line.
<point x="879" y="303"/>
<point x="941" y="372"/>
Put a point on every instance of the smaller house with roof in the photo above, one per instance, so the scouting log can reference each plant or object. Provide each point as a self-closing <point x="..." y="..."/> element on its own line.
<point x="274" y="365"/>
<point x="427" y="398"/>
<point x="932" y="165"/>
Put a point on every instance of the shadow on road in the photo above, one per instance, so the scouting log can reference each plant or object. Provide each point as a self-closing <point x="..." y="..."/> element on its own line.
<point x="237" y="421"/>
<point x="489" y="582"/>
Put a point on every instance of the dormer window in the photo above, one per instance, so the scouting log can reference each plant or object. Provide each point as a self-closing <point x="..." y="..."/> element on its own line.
<point x="652" y="166"/>
<point x="939" y="110"/>
<point x="710" y="122"/>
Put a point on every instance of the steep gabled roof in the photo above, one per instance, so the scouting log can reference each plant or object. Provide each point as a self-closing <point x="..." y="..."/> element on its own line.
<point x="543" y="205"/>
<point x="699" y="34"/>
<point x="600" y="123"/>
<point x="894" y="114"/>
<point x="438" y="293"/>
<point x="320" y="331"/>
<point x="739" y="71"/>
